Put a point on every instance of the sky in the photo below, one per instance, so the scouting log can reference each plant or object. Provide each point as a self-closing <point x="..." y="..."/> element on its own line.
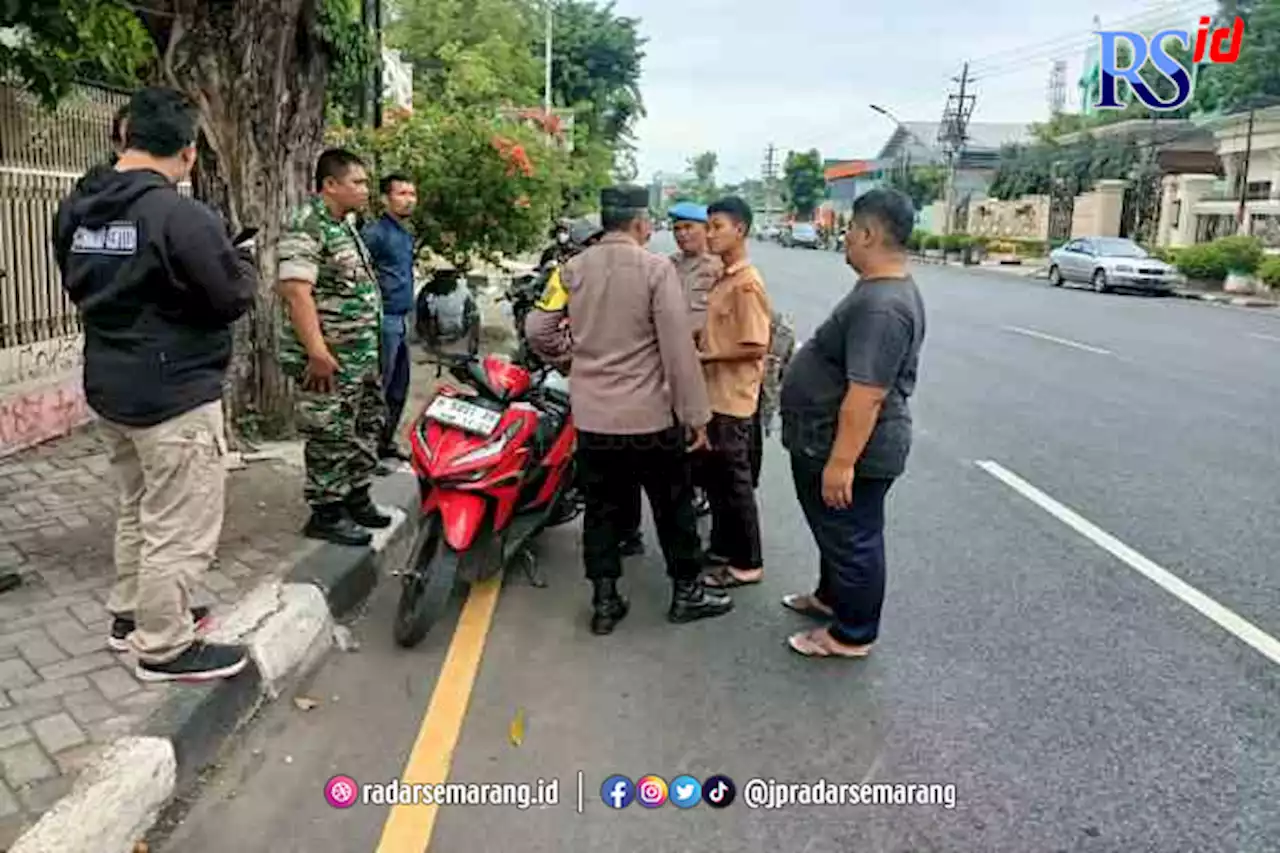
<point x="733" y="76"/>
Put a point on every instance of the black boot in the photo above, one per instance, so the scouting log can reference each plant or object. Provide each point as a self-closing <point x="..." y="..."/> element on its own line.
<point x="632" y="545"/>
<point x="364" y="512"/>
<point x="690" y="600"/>
<point x="391" y="453"/>
<point x="607" y="606"/>
<point x="331" y="523"/>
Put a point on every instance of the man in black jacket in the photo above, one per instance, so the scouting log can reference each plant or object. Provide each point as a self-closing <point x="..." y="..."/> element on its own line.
<point x="158" y="285"/>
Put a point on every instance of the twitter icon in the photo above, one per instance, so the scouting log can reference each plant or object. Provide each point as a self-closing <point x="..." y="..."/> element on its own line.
<point x="686" y="792"/>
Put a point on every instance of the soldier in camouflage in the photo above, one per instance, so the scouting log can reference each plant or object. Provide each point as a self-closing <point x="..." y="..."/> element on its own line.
<point x="330" y="347"/>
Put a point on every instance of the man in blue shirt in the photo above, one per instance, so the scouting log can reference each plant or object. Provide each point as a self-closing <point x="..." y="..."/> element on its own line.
<point x="391" y="246"/>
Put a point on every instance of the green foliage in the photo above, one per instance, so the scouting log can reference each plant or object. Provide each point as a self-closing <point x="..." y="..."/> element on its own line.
<point x="62" y="41"/>
<point x="1241" y="254"/>
<point x="355" y="59"/>
<point x="596" y="66"/>
<point x="1253" y="79"/>
<point x="931" y="241"/>
<point x="486" y="188"/>
<point x="916" y="241"/>
<point x="922" y="184"/>
<point x="468" y="52"/>
<point x="1203" y="261"/>
<point x="803" y="178"/>
<point x="1215" y="261"/>
<point x="474" y="53"/>
<point x="1031" y="169"/>
<point x="1269" y="271"/>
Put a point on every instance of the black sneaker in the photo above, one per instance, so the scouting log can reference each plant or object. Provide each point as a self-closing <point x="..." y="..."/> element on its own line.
<point x="125" y="624"/>
<point x="200" y="662"/>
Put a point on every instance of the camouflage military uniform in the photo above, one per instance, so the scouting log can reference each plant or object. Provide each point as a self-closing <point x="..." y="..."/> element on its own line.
<point x="782" y="345"/>
<point x="341" y="428"/>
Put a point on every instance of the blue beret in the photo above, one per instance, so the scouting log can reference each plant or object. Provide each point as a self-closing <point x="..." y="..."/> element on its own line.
<point x="689" y="211"/>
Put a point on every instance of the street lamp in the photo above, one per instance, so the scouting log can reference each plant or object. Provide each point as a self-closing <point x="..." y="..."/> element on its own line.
<point x="546" y="91"/>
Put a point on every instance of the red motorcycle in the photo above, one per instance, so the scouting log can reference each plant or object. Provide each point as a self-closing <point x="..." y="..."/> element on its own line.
<point x="494" y="459"/>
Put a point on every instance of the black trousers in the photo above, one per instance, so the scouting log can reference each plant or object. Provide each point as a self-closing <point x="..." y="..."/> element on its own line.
<point x="612" y="471"/>
<point x="725" y="473"/>
<point x="851" y="569"/>
<point x="757" y="447"/>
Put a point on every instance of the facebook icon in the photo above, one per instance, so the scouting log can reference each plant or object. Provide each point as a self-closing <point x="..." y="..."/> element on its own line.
<point x="617" y="792"/>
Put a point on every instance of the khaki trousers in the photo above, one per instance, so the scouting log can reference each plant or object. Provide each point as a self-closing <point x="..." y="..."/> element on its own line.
<point x="171" y="481"/>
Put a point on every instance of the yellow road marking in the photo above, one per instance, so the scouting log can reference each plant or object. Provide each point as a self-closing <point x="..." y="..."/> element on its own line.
<point x="408" y="828"/>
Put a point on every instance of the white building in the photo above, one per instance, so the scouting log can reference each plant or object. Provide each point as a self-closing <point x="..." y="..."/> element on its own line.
<point x="397" y="80"/>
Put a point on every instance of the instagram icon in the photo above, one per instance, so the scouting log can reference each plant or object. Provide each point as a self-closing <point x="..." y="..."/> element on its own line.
<point x="651" y="791"/>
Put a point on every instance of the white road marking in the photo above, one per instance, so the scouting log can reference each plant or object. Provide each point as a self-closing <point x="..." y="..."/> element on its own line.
<point x="1263" y="337"/>
<point x="1032" y="333"/>
<point x="1229" y="621"/>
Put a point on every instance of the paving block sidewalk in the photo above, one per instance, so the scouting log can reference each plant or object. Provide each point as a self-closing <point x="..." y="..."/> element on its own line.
<point x="63" y="694"/>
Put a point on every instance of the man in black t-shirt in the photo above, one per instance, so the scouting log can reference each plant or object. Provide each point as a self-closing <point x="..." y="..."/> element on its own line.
<point x="846" y="423"/>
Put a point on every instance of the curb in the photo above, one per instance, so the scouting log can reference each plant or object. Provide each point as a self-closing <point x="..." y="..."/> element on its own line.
<point x="289" y="625"/>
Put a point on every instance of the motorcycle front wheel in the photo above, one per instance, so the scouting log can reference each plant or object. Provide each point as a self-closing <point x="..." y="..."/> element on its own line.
<point x="426" y="586"/>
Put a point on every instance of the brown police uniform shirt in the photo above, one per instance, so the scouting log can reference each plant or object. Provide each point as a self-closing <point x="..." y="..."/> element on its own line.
<point x="633" y="359"/>
<point x="698" y="273"/>
<point x="738" y="313"/>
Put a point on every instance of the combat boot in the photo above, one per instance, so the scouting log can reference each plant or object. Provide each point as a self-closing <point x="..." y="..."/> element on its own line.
<point x="364" y="512"/>
<point x="691" y="600"/>
<point x="331" y="523"/>
<point x="607" y="605"/>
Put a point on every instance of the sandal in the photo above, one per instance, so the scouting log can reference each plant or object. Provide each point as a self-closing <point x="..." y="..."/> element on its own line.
<point x="819" y="643"/>
<point x="723" y="577"/>
<point x="804" y="604"/>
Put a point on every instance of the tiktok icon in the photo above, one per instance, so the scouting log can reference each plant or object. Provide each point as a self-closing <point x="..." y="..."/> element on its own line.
<point x="719" y="791"/>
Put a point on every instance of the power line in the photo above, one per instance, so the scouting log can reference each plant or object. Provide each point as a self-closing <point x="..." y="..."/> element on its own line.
<point x="1066" y="42"/>
<point x="1019" y="65"/>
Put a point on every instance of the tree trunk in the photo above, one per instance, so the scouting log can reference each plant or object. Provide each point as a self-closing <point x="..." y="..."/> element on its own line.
<point x="258" y="70"/>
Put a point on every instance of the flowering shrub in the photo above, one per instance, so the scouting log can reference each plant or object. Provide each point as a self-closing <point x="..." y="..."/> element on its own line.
<point x="486" y="187"/>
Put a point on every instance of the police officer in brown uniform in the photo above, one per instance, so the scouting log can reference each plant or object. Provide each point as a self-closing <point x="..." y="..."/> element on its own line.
<point x="639" y="402"/>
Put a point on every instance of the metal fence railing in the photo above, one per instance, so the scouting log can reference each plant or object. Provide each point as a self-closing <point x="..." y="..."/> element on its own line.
<point x="42" y="153"/>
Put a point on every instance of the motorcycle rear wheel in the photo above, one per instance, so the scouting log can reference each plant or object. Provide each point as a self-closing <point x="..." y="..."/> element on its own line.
<point x="426" y="586"/>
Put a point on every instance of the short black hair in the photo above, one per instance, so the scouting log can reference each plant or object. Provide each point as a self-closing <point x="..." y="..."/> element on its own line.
<point x="620" y="218"/>
<point x="161" y="121"/>
<point x="735" y="208"/>
<point x="388" y="181"/>
<point x="118" y="126"/>
<point x="892" y="210"/>
<point x="335" y="163"/>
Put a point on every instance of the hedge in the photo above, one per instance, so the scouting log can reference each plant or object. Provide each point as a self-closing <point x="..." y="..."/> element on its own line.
<point x="1269" y="271"/>
<point x="1215" y="261"/>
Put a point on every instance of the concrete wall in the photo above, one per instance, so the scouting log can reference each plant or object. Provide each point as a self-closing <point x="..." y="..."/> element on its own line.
<point x="1026" y="218"/>
<point x="1097" y="213"/>
<point x="41" y="392"/>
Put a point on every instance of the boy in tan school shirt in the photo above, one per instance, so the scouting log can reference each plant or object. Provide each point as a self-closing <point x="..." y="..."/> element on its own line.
<point x="732" y="346"/>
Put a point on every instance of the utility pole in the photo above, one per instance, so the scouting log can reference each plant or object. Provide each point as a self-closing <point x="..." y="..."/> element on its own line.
<point x="378" y="78"/>
<point x="953" y="134"/>
<point x="770" y="174"/>
<point x="1241" y="225"/>
<point x="1057" y="87"/>
<point x="546" y="91"/>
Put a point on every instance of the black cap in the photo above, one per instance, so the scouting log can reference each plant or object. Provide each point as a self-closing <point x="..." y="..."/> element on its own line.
<point x="624" y="197"/>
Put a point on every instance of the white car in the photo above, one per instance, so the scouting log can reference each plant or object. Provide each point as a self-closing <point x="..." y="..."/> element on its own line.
<point x="1110" y="263"/>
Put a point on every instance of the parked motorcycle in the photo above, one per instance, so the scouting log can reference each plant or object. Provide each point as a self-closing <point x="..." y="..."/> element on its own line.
<point x="495" y="468"/>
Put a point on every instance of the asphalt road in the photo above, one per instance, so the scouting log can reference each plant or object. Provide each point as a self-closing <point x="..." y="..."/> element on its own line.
<point x="1066" y="639"/>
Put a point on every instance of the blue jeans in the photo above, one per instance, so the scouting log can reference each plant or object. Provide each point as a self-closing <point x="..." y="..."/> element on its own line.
<point x="851" y="548"/>
<point x="395" y="372"/>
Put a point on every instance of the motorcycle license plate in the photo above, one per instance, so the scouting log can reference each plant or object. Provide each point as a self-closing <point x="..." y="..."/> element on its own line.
<point x="463" y="415"/>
